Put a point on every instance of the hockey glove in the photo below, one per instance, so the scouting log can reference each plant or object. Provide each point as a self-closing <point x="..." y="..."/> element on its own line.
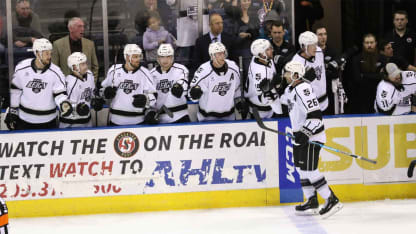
<point x="332" y="70"/>
<point x="82" y="109"/>
<point x="110" y="92"/>
<point x="139" y="100"/>
<point x="177" y="90"/>
<point x="302" y="136"/>
<point x="12" y="118"/>
<point x="195" y="92"/>
<point x="97" y="103"/>
<point x="151" y="117"/>
<point x="310" y="74"/>
<point x="242" y="106"/>
<point x="66" y="108"/>
<point x="265" y="85"/>
<point x="277" y="81"/>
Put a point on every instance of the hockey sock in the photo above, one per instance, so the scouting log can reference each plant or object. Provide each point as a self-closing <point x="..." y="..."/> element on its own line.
<point x="307" y="188"/>
<point x="319" y="183"/>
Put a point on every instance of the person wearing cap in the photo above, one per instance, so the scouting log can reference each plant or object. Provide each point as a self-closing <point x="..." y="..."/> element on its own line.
<point x="396" y="93"/>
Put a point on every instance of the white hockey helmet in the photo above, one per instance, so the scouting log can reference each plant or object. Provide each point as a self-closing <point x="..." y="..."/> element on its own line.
<point x="131" y="49"/>
<point x="41" y="44"/>
<point x="165" y="50"/>
<point x="76" y="59"/>
<point x="307" y="38"/>
<point x="294" y="67"/>
<point x="259" y="47"/>
<point x="216" y="47"/>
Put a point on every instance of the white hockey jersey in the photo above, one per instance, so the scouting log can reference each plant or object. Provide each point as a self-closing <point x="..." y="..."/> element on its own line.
<point x="257" y="71"/>
<point x="219" y="88"/>
<point x="319" y="84"/>
<point x="164" y="82"/>
<point x="304" y="110"/>
<point x="79" y="91"/>
<point x="187" y="22"/>
<point x="392" y="100"/>
<point x="129" y="83"/>
<point x="37" y="93"/>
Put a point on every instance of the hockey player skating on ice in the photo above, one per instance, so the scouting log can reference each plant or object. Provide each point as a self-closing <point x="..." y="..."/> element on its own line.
<point x="312" y="58"/>
<point x="80" y="88"/>
<point x="216" y="85"/>
<point x="306" y="119"/>
<point x="37" y="88"/>
<point x="4" y="217"/>
<point x="395" y="91"/>
<point x="131" y="88"/>
<point x="262" y="80"/>
<point x="171" y="81"/>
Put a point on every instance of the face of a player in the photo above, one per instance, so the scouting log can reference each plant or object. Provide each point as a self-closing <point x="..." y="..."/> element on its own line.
<point x="46" y="57"/>
<point x="396" y="80"/>
<point x="311" y="49"/>
<point x="288" y="77"/>
<point x="77" y="30"/>
<point x="369" y="44"/>
<point x="165" y="62"/>
<point x="322" y="37"/>
<point x="400" y="21"/>
<point x="219" y="59"/>
<point x="83" y="67"/>
<point x="388" y="50"/>
<point x="134" y="60"/>
<point x="277" y="34"/>
<point x="216" y="24"/>
<point x="269" y="52"/>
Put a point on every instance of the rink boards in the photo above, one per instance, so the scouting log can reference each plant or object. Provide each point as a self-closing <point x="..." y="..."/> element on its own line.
<point x="194" y="166"/>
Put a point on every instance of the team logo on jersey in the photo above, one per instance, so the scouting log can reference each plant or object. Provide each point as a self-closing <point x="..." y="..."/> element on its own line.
<point x="36" y="85"/>
<point x="221" y="88"/>
<point x="126" y="144"/>
<point x="258" y="76"/>
<point x="409" y="40"/>
<point x="128" y="86"/>
<point x="87" y="94"/>
<point x="384" y="94"/>
<point x="164" y="85"/>
<point x="318" y="72"/>
<point x="306" y="92"/>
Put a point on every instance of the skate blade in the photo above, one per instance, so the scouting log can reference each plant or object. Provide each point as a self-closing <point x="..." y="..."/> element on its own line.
<point x="334" y="210"/>
<point x="309" y="212"/>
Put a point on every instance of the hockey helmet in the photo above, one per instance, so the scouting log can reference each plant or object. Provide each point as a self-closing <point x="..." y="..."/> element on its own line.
<point x="76" y="59"/>
<point x="131" y="49"/>
<point x="259" y="47"/>
<point x="392" y="70"/>
<point x="216" y="47"/>
<point x="165" y="50"/>
<point x="307" y="38"/>
<point x="41" y="44"/>
<point x="294" y="67"/>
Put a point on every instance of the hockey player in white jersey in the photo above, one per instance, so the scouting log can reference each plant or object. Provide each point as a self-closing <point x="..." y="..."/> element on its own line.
<point x="307" y="125"/>
<point x="263" y="81"/>
<point x="80" y="88"/>
<point x="312" y="58"/>
<point x="395" y="91"/>
<point x="216" y="85"/>
<point x="171" y="81"/>
<point x="4" y="217"/>
<point x="131" y="88"/>
<point x="37" y="88"/>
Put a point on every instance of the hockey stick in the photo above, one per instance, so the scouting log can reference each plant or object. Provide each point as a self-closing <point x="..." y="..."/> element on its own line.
<point x="261" y="125"/>
<point x="165" y="110"/>
<point x="411" y="167"/>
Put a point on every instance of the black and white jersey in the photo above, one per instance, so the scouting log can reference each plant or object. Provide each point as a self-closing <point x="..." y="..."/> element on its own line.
<point x="319" y="84"/>
<point x="37" y="93"/>
<point x="129" y="83"/>
<point x="79" y="90"/>
<point x="164" y="82"/>
<point x="257" y="71"/>
<point x="394" y="100"/>
<point x="220" y="87"/>
<point x="304" y="110"/>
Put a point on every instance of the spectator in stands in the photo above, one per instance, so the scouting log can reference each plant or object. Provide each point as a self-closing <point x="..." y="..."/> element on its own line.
<point x="116" y="36"/>
<point x="268" y="11"/>
<point x="283" y="51"/>
<point x="307" y="12"/>
<point x="74" y="42"/>
<point x="149" y="6"/>
<point x="403" y="39"/>
<point x="60" y="29"/>
<point x="26" y="25"/>
<point x="154" y="36"/>
<point x="387" y="56"/>
<point x="247" y="28"/>
<point x="366" y="68"/>
<point x="215" y="35"/>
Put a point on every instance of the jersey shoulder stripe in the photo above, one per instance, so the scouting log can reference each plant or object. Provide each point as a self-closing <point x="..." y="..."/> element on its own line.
<point x="144" y="71"/>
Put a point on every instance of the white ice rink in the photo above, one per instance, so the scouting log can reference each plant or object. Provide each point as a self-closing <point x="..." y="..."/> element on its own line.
<point x="380" y="217"/>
